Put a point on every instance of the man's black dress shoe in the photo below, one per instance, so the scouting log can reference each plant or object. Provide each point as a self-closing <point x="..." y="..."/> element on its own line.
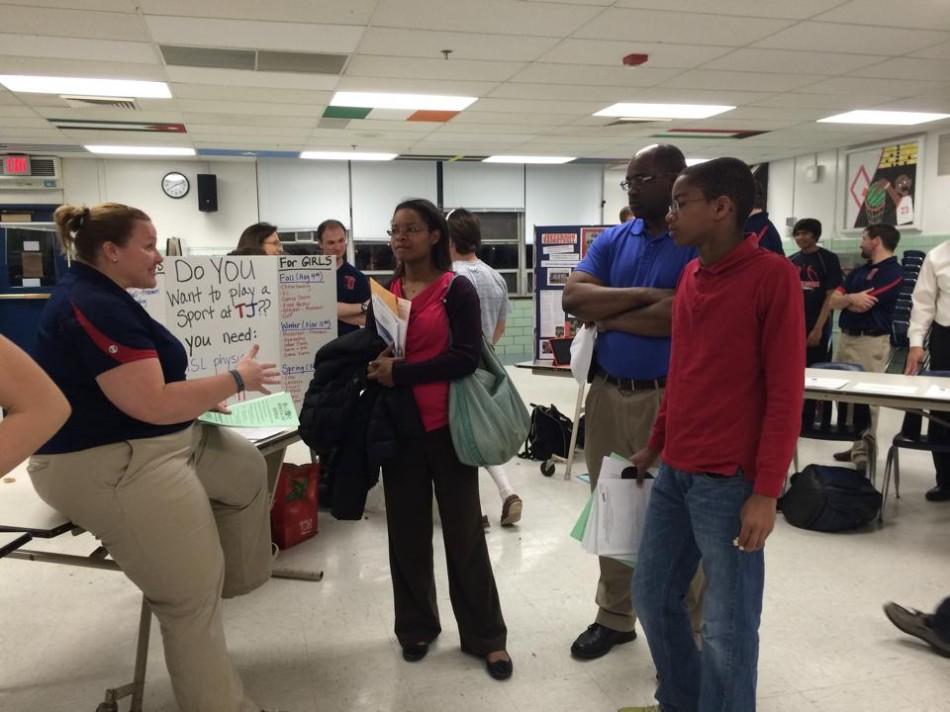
<point x="938" y="494"/>
<point x="597" y="640"/>
<point x="414" y="652"/>
<point x="843" y="456"/>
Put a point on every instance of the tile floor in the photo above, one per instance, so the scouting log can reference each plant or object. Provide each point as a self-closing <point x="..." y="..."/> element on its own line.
<point x="67" y="633"/>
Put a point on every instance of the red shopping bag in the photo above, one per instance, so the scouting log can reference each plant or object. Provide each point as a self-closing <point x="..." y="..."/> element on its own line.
<point x="293" y="518"/>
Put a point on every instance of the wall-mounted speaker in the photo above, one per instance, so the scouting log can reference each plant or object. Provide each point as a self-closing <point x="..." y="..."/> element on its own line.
<point x="207" y="192"/>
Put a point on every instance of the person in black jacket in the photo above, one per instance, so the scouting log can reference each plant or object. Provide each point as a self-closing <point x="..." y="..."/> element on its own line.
<point x="443" y="342"/>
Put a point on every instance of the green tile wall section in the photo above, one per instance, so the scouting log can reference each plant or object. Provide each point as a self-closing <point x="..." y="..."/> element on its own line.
<point x="518" y="342"/>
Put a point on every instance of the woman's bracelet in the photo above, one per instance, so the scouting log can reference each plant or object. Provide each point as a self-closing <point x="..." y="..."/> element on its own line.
<point x="237" y="379"/>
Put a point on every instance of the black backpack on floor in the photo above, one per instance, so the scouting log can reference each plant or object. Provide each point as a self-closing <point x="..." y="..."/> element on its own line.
<point x="549" y="434"/>
<point x="830" y="499"/>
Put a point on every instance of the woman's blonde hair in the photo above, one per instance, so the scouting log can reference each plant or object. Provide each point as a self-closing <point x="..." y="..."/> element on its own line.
<point x="82" y="230"/>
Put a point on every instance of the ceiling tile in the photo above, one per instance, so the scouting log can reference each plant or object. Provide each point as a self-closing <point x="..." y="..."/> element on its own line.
<point x="291" y="37"/>
<point x="920" y="14"/>
<point x="908" y="68"/>
<point x="611" y="53"/>
<point x="510" y="118"/>
<point x="344" y="12"/>
<point x="825" y="36"/>
<point x="237" y="78"/>
<point x="420" y="86"/>
<point x="647" y="25"/>
<point x="258" y="108"/>
<point x="464" y="45"/>
<point x="778" y="60"/>
<point x="71" y="48"/>
<point x="544" y="73"/>
<point x="414" y="68"/>
<point x="753" y="81"/>
<point x="580" y="108"/>
<point x="800" y="9"/>
<point x="81" y="68"/>
<point x="503" y="17"/>
<point x="826" y="102"/>
<point x="895" y="88"/>
<point x="28" y="20"/>
<point x="250" y="94"/>
<point x="571" y="92"/>
<point x="938" y="51"/>
<point x="228" y="119"/>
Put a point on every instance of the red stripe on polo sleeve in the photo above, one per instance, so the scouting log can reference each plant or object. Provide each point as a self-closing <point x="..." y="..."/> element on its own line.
<point x="115" y="350"/>
<point x="887" y="287"/>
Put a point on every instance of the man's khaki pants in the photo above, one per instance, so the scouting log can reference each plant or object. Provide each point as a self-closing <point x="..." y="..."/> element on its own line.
<point x="871" y="353"/>
<point x="620" y="421"/>
<point x="185" y="516"/>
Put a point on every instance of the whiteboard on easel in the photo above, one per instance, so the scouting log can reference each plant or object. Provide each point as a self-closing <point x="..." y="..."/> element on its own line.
<point x="218" y="307"/>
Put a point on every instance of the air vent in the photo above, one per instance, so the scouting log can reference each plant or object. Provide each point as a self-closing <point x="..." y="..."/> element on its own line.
<point x="100" y="102"/>
<point x="304" y="62"/>
<point x="254" y="60"/>
<point x="40" y="167"/>
<point x="209" y="57"/>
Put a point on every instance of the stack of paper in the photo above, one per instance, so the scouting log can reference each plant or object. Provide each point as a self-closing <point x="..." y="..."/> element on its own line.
<point x="392" y="317"/>
<point x="273" y="411"/>
<point x="611" y="523"/>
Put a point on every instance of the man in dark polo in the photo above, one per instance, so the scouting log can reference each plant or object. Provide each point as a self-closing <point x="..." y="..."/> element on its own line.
<point x="352" y="286"/>
<point x="867" y="300"/>
<point x="625" y="285"/>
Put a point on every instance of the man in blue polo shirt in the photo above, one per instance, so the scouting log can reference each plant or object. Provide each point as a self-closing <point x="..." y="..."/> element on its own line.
<point x="625" y="285"/>
<point x="867" y="300"/>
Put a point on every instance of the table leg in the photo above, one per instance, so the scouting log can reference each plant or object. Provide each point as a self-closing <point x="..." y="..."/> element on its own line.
<point x="578" y="407"/>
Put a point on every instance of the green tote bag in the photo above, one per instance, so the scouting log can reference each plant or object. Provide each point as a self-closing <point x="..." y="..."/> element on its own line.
<point x="487" y="418"/>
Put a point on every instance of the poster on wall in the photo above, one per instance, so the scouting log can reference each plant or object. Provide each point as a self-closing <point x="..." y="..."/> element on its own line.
<point x="883" y="185"/>
<point x="218" y="307"/>
<point x="557" y="250"/>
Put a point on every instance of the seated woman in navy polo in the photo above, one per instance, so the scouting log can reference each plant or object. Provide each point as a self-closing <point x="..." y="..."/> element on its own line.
<point x="181" y="507"/>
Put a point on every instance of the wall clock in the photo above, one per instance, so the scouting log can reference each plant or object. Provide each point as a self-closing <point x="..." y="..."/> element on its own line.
<point x="175" y="185"/>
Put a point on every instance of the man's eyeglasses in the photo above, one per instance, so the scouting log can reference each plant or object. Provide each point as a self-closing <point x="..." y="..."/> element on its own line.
<point x="638" y="180"/>
<point x="407" y="231"/>
<point x="677" y="205"/>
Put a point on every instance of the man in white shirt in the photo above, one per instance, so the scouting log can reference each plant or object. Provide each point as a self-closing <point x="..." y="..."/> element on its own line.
<point x="931" y="311"/>
<point x="465" y="239"/>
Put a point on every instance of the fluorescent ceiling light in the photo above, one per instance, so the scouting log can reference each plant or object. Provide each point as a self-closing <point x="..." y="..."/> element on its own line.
<point x="142" y="150"/>
<point x="529" y="159"/>
<point x="419" y="102"/>
<point x="695" y="161"/>
<point x="346" y="156"/>
<point x="663" y="111"/>
<point x="85" y="87"/>
<point x="887" y="118"/>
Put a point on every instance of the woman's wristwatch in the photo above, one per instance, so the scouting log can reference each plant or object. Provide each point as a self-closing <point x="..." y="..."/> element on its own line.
<point x="236" y="375"/>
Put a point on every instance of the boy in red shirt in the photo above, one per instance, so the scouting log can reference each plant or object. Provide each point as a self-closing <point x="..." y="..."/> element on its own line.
<point x="726" y="431"/>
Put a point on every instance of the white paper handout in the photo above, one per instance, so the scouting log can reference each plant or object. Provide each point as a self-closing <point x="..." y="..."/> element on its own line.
<point x="392" y="317"/>
<point x="886" y="389"/>
<point x="941" y="392"/>
<point x="825" y="383"/>
<point x="617" y="514"/>
<point x="582" y="352"/>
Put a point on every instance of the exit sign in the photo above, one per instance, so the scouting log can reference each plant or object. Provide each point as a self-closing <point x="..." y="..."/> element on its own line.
<point x="16" y="165"/>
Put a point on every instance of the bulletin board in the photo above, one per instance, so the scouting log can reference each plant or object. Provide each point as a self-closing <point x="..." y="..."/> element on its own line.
<point x="883" y="185"/>
<point x="218" y="307"/>
<point x="557" y="250"/>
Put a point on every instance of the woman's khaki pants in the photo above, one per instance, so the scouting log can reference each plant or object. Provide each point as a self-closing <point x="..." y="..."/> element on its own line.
<point x="185" y="516"/>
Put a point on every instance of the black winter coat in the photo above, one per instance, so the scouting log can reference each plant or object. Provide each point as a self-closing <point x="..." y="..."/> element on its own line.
<point x="354" y="424"/>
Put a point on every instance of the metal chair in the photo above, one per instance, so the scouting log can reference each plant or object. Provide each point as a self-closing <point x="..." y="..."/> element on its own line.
<point x="909" y="438"/>
<point x="850" y="422"/>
